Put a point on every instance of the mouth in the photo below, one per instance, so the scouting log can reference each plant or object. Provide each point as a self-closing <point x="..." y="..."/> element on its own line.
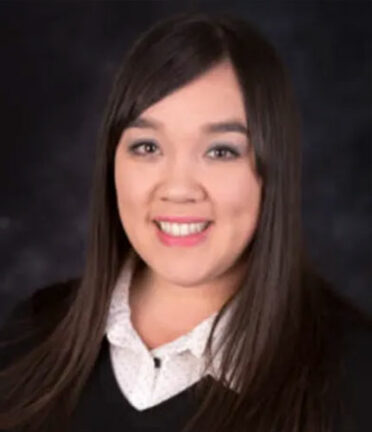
<point x="206" y="224"/>
<point x="181" y="235"/>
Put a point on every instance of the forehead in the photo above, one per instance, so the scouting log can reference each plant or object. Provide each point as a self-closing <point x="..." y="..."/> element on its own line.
<point x="214" y="97"/>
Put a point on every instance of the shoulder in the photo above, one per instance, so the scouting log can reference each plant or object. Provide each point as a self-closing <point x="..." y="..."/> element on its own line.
<point x="33" y="317"/>
<point x="354" y="325"/>
<point x="50" y="301"/>
<point x="44" y="302"/>
<point x="356" y="372"/>
<point x="354" y="337"/>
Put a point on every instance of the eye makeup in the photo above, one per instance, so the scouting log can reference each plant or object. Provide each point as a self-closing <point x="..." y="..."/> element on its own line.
<point x="229" y="149"/>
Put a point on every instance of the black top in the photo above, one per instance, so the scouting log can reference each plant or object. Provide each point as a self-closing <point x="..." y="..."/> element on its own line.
<point x="113" y="412"/>
<point x="103" y="407"/>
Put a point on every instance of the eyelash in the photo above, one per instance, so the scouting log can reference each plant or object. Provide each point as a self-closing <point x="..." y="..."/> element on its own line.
<point x="235" y="154"/>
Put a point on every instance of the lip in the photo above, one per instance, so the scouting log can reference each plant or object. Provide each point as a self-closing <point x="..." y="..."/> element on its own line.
<point x="190" y="240"/>
<point x="181" y="219"/>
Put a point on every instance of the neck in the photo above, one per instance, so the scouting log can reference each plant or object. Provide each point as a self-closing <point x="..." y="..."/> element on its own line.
<point x="151" y="292"/>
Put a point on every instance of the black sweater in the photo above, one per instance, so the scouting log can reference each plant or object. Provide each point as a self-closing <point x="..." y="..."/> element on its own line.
<point x="104" y="408"/>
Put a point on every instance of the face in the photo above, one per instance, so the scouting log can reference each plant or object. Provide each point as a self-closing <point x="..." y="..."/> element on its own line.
<point x="172" y="162"/>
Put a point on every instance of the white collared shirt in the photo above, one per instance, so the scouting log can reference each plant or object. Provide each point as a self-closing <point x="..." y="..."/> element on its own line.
<point x="181" y="361"/>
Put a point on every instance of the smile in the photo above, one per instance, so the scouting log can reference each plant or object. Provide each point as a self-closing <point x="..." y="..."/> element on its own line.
<point x="174" y="234"/>
<point x="182" y="229"/>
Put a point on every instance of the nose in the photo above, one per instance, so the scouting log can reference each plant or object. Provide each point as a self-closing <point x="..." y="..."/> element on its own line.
<point x="181" y="183"/>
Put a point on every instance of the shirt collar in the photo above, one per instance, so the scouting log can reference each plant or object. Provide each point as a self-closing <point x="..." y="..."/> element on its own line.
<point x="120" y="331"/>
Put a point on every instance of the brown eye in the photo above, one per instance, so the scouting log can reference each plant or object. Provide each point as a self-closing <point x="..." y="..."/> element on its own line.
<point x="145" y="145"/>
<point x="224" y="149"/>
<point x="223" y="152"/>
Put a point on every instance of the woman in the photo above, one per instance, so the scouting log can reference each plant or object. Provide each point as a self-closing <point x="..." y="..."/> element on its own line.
<point x="196" y="209"/>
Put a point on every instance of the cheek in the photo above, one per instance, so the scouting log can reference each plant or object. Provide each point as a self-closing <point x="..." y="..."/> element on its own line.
<point x="133" y="191"/>
<point x="240" y="196"/>
<point x="131" y="187"/>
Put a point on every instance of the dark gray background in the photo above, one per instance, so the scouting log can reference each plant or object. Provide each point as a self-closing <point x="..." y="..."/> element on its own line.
<point x="57" y="63"/>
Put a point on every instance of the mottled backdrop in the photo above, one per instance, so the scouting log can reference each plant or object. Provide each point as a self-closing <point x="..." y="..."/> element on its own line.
<point x="57" y="63"/>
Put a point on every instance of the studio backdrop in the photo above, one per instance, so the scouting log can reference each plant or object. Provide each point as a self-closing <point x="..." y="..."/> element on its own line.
<point x="57" y="62"/>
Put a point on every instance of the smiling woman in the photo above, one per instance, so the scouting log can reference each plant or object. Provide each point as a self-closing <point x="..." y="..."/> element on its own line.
<point x="197" y="309"/>
<point x="185" y="179"/>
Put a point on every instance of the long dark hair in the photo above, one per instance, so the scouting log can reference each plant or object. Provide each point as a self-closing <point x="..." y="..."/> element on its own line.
<point x="278" y="342"/>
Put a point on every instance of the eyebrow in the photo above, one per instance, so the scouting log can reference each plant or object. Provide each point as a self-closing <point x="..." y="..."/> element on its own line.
<point x="214" y="127"/>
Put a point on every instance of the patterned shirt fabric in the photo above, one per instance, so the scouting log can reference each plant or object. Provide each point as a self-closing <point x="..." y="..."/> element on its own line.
<point x="148" y="377"/>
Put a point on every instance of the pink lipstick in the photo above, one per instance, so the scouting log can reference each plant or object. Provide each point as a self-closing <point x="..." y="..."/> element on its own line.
<point x="181" y="219"/>
<point x="188" y="240"/>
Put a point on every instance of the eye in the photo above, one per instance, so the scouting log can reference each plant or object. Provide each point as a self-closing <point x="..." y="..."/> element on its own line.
<point x="223" y="149"/>
<point x="146" y="145"/>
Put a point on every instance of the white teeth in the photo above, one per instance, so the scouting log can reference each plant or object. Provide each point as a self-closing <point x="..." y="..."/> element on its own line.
<point x="181" y="230"/>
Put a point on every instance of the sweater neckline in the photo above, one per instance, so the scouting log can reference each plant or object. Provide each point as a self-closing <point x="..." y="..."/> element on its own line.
<point x="114" y="396"/>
